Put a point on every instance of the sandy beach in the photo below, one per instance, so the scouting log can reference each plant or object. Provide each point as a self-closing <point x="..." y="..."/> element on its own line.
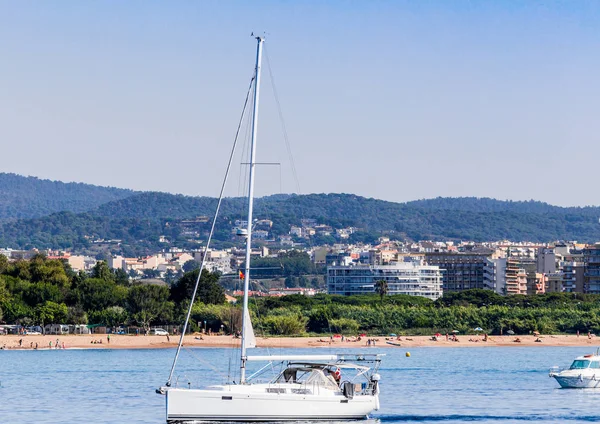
<point x="150" y="342"/>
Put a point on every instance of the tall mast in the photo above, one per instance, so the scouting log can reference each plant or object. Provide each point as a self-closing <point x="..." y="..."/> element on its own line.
<point x="260" y="41"/>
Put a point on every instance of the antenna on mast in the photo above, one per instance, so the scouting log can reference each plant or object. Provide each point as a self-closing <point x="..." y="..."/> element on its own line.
<point x="261" y="37"/>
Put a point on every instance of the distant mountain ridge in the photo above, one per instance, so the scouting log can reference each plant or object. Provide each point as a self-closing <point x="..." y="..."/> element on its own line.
<point x="486" y="204"/>
<point x="138" y="219"/>
<point x="32" y="197"/>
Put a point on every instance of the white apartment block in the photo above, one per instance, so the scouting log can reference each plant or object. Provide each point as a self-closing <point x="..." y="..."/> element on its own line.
<point x="402" y="278"/>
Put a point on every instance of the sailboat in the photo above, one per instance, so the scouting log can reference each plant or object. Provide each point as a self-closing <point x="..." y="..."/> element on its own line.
<point x="308" y="387"/>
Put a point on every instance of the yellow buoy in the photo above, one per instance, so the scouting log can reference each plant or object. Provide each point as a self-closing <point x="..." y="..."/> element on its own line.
<point x="408" y="354"/>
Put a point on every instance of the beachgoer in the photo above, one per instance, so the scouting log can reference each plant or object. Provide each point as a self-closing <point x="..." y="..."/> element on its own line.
<point x="168" y="339"/>
<point x="108" y="338"/>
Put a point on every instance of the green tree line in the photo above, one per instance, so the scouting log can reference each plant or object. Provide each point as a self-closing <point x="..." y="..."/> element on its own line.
<point x="42" y="291"/>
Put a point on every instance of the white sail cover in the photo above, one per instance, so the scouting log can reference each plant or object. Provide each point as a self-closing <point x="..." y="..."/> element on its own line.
<point x="248" y="332"/>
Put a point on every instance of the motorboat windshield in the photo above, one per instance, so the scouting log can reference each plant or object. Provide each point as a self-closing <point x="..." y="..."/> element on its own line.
<point x="579" y="364"/>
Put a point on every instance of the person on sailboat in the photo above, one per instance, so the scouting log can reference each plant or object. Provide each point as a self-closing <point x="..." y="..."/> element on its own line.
<point x="336" y="374"/>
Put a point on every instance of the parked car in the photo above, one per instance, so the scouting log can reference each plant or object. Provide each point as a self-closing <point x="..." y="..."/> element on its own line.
<point x="159" y="332"/>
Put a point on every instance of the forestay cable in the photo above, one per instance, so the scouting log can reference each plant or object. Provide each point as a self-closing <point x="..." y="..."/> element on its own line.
<point x="212" y="229"/>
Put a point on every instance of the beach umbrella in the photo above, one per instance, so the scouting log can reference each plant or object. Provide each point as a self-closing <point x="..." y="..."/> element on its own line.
<point x="455" y="331"/>
<point x="478" y="329"/>
<point x="392" y="334"/>
<point x="438" y="335"/>
<point x="510" y="332"/>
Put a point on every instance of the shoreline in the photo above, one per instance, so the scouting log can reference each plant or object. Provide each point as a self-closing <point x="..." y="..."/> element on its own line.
<point x="11" y="342"/>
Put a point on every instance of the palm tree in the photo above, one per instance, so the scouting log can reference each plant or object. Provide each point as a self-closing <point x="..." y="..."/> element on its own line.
<point x="381" y="287"/>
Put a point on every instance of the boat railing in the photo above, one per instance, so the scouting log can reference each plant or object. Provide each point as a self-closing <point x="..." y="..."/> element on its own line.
<point x="556" y="370"/>
<point x="314" y="387"/>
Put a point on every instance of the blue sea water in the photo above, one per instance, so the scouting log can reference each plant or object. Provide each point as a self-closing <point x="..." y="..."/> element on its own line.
<point x="433" y="385"/>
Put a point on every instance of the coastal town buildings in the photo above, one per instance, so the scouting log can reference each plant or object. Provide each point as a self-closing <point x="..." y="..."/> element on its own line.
<point x="505" y="267"/>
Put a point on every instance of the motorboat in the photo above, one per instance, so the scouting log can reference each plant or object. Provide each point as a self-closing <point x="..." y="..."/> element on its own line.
<point x="583" y="373"/>
<point x="307" y="387"/>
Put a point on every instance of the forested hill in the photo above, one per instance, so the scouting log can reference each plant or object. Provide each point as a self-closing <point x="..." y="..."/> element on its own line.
<point x="139" y="220"/>
<point x="31" y="197"/>
<point x="485" y="204"/>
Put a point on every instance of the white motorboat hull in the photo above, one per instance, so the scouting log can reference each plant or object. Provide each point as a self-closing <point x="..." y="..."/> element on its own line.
<point x="219" y="405"/>
<point x="578" y="381"/>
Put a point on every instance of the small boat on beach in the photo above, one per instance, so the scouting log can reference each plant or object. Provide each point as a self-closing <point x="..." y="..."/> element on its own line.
<point x="584" y="373"/>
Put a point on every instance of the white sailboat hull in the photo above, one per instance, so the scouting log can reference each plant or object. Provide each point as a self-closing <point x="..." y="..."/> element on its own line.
<point x="250" y="405"/>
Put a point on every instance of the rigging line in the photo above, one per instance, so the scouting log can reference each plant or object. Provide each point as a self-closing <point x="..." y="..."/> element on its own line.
<point x="208" y="364"/>
<point x="261" y="328"/>
<point x="287" y="142"/>
<point x="243" y="175"/>
<point x="281" y="120"/>
<point x="212" y="230"/>
<point x="246" y="155"/>
<point x="285" y="135"/>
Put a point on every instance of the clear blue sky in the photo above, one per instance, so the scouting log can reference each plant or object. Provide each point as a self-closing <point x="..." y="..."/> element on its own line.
<point x="395" y="100"/>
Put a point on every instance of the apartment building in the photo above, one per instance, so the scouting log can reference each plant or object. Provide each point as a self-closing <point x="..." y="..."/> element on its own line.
<point x="591" y="261"/>
<point x="460" y="271"/>
<point x="494" y="275"/>
<point x="401" y="278"/>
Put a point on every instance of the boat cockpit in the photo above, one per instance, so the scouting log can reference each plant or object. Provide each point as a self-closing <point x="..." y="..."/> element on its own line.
<point x="579" y="364"/>
<point x="323" y="376"/>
